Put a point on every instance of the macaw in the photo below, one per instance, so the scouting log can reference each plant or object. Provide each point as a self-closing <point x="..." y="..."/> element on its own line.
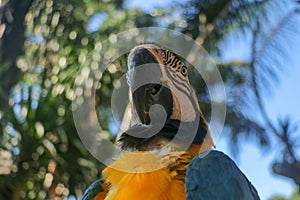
<point x="169" y="152"/>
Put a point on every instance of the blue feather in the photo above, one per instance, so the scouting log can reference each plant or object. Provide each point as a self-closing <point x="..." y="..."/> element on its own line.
<point x="213" y="175"/>
<point x="93" y="190"/>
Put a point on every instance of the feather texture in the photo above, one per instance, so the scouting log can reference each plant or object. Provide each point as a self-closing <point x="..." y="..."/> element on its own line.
<point x="213" y="175"/>
<point x="141" y="175"/>
<point x="96" y="191"/>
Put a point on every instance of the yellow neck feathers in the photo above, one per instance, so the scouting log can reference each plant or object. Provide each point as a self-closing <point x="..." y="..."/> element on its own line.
<point x="144" y="175"/>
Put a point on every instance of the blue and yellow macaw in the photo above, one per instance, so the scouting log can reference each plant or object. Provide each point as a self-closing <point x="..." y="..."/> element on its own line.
<point x="178" y="161"/>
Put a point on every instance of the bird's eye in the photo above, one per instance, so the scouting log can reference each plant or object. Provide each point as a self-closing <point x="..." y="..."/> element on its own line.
<point x="184" y="71"/>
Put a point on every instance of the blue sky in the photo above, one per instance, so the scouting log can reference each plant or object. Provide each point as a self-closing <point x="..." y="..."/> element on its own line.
<point x="283" y="100"/>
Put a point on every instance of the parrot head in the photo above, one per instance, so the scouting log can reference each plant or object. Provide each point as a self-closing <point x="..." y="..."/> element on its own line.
<point x="145" y="69"/>
<point x="162" y="99"/>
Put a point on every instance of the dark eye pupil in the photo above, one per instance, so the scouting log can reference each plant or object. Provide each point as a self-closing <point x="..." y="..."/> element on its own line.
<point x="184" y="71"/>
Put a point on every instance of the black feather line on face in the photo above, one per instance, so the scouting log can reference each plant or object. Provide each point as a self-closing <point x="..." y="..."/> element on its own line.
<point x="169" y="131"/>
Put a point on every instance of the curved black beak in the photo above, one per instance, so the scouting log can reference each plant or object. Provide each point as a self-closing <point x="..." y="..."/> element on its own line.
<point x="147" y="90"/>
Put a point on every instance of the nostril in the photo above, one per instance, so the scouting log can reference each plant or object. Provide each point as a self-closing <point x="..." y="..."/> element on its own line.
<point x="155" y="89"/>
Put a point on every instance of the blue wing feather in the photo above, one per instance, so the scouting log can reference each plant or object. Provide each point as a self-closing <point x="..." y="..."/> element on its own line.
<point x="213" y="175"/>
<point x="93" y="190"/>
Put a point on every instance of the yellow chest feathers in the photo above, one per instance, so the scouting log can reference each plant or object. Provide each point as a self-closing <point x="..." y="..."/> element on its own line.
<point x="147" y="176"/>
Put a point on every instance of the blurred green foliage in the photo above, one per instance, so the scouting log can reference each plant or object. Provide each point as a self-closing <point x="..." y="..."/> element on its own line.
<point x="43" y="45"/>
<point x="37" y="125"/>
<point x="294" y="196"/>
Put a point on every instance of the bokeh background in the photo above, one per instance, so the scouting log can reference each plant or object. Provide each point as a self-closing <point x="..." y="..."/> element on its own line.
<point x="43" y="43"/>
